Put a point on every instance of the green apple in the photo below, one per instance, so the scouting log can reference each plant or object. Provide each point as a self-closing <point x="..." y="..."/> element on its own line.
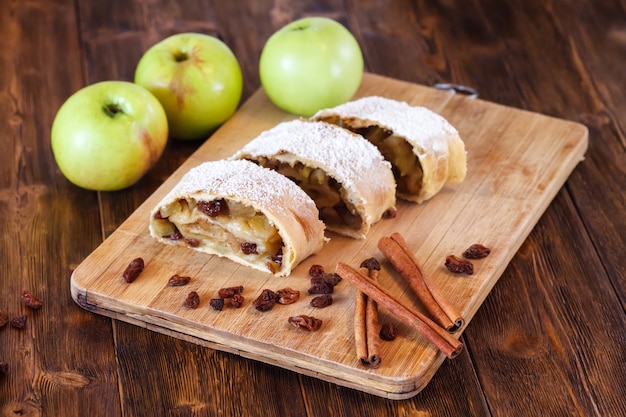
<point x="311" y="64"/>
<point x="107" y="135"/>
<point x="196" y="78"/>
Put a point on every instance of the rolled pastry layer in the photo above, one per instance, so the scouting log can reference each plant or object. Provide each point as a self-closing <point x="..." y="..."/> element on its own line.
<point x="425" y="150"/>
<point x="347" y="177"/>
<point x="241" y="211"/>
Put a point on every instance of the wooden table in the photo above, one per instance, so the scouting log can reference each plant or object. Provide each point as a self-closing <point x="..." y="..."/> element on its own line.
<point x="548" y="340"/>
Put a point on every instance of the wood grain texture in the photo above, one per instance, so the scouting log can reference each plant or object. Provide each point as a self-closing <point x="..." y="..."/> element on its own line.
<point x="523" y="357"/>
<point x="517" y="161"/>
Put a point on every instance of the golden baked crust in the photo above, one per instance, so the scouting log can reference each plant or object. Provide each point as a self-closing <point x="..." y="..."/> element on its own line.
<point x="347" y="177"/>
<point x="425" y="150"/>
<point x="244" y="212"/>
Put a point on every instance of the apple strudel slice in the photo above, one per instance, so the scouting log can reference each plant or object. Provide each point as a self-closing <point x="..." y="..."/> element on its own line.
<point x="347" y="177"/>
<point x="425" y="150"/>
<point x="241" y="211"/>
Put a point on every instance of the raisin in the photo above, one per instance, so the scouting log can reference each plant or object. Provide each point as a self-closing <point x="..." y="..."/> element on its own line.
<point x="278" y="257"/>
<point x="175" y="235"/>
<point x="322" y="301"/>
<point x="248" y="248"/>
<point x="192" y="300"/>
<point x="158" y="215"/>
<point x="308" y="323"/>
<point x="459" y="265"/>
<point x="331" y="278"/>
<point x="132" y="271"/>
<point x="390" y="213"/>
<point x="287" y="296"/>
<point x="371" y="264"/>
<point x="237" y="300"/>
<point x="191" y="242"/>
<point x="265" y="301"/>
<point x="178" y="280"/>
<point x="388" y="331"/>
<point x="217" y="303"/>
<point x="213" y="208"/>
<point x="4" y="318"/>
<point x="4" y="368"/>
<point x="316" y="271"/>
<point x="229" y="292"/>
<point x="19" y="322"/>
<point x="476" y="251"/>
<point x="31" y="301"/>
<point x="320" y="286"/>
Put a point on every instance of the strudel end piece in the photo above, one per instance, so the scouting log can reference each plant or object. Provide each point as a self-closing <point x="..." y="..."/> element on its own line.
<point x="239" y="210"/>
<point x="425" y="150"/>
<point x="347" y="177"/>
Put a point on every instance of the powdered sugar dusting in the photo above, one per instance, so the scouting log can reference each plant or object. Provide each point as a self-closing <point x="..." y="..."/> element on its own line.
<point x="325" y="146"/>
<point x="242" y="180"/>
<point x="419" y="125"/>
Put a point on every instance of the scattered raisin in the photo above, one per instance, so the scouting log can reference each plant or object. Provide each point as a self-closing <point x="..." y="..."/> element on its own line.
<point x="287" y="296"/>
<point x="249" y="248"/>
<point x="320" y="286"/>
<point x="4" y="318"/>
<point x="388" y="331"/>
<point x="229" y="292"/>
<point x="178" y="280"/>
<point x="265" y="301"/>
<point x="316" y="271"/>
<point x="19" y="322"/>
<point x="308" y="323"/>
<point x="322" y="301"/>
<point x="371" y="264"/>
<point x="158" y="215"/>
<point x="213" y="208"/>
<point x="192" y="300"/>
<point x="217" y="303"/>
<point x="237" y="300"/>
<point x="459" y="265"/>
<point x="132" y="271"/>
<point x="31" y="301"/>
<point x="332" y="278"/>
<point x="477" y="251"/>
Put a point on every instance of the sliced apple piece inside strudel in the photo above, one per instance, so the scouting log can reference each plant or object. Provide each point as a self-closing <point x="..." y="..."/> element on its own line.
<point x="425" y="150"/>
<point x="347" y="177"/>
<point x="241" y="211"/>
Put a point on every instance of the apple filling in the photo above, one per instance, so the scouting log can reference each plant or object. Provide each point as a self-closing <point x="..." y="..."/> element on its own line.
<point x="224" y="227"/>
<point x="334" y="208"/>
<point x="406" y="166"/>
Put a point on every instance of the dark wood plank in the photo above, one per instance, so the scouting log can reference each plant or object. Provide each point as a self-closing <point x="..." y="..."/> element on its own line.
<point x="64" y="358"/>
<point x="554" y="321"/>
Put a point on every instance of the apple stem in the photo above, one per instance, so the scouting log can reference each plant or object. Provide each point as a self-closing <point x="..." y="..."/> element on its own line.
<point x="112" y="109"/>
<point x="180" y="56"/>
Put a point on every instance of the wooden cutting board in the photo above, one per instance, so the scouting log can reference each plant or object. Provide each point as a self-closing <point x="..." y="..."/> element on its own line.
<point x="517" y="162"/>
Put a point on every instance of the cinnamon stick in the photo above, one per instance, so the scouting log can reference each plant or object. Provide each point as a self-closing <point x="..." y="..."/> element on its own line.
<point x="371" y="326"/>
<point x="444" y="302"/>
<point x="360" y="332"/>
<point x="412" y="274"/>
<point x="366" y="328"/>
<point x="430" y="330"/>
